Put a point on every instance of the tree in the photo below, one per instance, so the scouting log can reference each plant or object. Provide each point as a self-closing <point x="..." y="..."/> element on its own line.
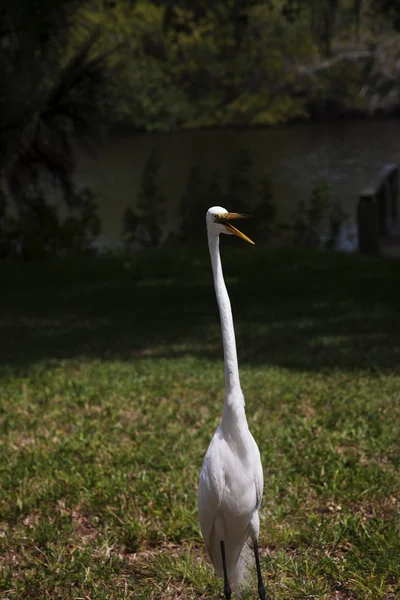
<point x="322" y="16"/>
<point x="357" y="12"/>
<point x="390" y="9"/>
<point x="144" y="225"/>
<point x="55" y="78"/>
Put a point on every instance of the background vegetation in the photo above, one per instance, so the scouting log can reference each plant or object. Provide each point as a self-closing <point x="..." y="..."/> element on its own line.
<point x="72" y="70"/>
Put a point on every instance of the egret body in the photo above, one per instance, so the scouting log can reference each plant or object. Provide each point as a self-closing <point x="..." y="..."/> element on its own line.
<point x="231" y="478"/>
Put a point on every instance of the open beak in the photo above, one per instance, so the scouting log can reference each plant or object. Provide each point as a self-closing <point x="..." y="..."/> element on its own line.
<point x="225" y="218"/>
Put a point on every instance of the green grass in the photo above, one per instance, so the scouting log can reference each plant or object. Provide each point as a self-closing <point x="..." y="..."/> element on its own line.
<point x="111" y="384"/>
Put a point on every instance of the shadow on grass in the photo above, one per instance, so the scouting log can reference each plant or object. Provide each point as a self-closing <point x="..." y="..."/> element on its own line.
<point x="304" y="310"/>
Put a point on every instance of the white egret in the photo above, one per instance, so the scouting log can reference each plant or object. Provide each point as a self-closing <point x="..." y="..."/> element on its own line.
<point x="231" y="478"/>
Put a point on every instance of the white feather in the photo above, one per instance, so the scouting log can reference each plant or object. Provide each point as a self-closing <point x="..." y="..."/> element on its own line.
<point x="231" y="478"/>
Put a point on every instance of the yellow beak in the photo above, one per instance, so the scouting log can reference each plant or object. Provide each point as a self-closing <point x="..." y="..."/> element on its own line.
<point x="225" y="218"/>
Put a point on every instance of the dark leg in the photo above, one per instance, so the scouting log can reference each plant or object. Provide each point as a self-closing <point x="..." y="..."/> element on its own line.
<point x="261" y="589"/>
<point x="227" y="587"/>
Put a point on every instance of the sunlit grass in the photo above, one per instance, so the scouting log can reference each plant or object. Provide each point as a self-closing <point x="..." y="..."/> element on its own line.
<point x="111" y="388"/>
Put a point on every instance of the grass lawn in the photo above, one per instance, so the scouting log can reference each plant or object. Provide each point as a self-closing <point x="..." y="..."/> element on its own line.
<point x="111" y="384"/>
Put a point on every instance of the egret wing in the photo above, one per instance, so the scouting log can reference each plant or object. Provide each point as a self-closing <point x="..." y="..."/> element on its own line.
<point x="258" y="475"/>
<point x="211" y="488"/>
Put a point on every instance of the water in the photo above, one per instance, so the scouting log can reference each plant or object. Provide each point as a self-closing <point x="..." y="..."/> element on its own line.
<point x="346" y="154"/>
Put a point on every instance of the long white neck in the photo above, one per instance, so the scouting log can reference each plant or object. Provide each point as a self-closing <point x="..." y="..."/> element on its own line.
<point x="232" y="381"/>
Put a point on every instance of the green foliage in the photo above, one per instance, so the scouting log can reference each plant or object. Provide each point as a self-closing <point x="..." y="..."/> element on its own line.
<point x="236" y="192"/>
<point x="240" y="63"/>
<point x="247" y="81"/>
<point x="192" y="208"/>
<point x="39" y="232"/>
<point x="308" y="219"/>
<point x="83" y="226"/>
<point x="240" y="193"/>
<point x="265" y="212"/>
<point x="390" y="9"/>
<point x="177" y="63"/>
<point x="143" y="225"/>
<point x="337" y="89"/>
<point x="55" y="67"/>
<point x="180" y="63"/>
<point x="65" y="87"/>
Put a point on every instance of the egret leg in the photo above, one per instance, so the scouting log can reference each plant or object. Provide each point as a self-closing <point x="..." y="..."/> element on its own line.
<point x="261" y="589"/>
<point x="227" y="587"/>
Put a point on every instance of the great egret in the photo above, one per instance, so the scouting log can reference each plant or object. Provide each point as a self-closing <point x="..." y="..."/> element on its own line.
<point x="231" y="478"/>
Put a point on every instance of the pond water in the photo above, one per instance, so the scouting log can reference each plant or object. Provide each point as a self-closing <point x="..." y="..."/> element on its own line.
<point x="346" y="154"/>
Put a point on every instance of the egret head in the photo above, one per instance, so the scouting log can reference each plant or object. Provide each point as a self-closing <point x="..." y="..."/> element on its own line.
<point x="218" y="221"/>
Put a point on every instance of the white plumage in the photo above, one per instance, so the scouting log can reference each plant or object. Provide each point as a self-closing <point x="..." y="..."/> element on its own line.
<point x="231" y="478"/>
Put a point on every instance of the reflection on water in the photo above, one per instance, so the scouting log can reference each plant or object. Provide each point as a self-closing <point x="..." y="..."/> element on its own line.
<point x="347" y="240"/>
<point x="347" y="154"/>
